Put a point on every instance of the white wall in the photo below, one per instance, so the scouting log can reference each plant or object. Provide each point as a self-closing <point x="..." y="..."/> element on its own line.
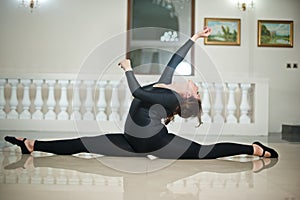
<point x="250" y="60"/>
<point x="60" y="35"/>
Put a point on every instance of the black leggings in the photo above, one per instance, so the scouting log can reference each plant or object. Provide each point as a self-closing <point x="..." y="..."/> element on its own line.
<point x="117" y="145"/>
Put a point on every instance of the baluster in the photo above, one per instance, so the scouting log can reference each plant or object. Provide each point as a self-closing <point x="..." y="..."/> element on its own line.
<point x="2" y="99"/>
<point x="23" y="178"/>
<point x="63" y="102"/>
<point x="76" y="115"/>
<point x="13" y="114"/>
<point x="126" y="103"/>
<point x="36" y="178"/>
<point x="114" y="115"/>
<point x="62" y="178"/>
<point x="101" y="104"/>
<point x="51" y="101"/>
<point x="26" y="100"/>
<point x="206" y="106"/>
<point x="231" y="106"/>
<point x="49" y="179"/>
<point x="38" y="101"/>
<point x="88" y="115"/>
<point x="244" y="107"/>
<point x="74" y="180"/>
<point x="218" y="106"/>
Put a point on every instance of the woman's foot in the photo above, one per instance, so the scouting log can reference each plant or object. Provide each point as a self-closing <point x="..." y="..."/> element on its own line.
<point x="26" y="162"/>
<point x="25" y="145"/>
<point x="263" y="151"/>
<point x="264" y="163"/>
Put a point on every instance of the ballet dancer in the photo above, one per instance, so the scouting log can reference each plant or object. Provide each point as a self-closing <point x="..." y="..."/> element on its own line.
<point x="144" y="133"/>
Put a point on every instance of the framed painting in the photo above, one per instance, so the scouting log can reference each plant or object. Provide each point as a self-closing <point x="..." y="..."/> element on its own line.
<point x="225" y="31"/>
<point x="275" y="33"/>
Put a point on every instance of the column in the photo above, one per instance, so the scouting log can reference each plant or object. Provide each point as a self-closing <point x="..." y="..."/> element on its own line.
<point x="114" y="115"/>
<point x="51" y="115"/>
<point x="89" y="103"/>
<point x="38" y="101"/>
<point x="76" y="103"/>
<point x="13" y="114"/>
<point x="218" y="106"/>
<point x="63" y="102"/>
<point x="101" y="104"/>
<point x="26" y="100"/>
<point x="231" y="106"/>
<point x="126" y="103"/>
<point x="244" y="107"/>
<point x="2" y="99"/>
<point x="206" y="106"/>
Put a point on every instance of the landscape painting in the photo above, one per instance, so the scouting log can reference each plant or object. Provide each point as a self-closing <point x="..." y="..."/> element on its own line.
<point x="225" y="31"/>
<point x="275" y="33"/>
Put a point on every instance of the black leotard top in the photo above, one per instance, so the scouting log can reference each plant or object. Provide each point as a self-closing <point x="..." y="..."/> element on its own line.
<point x="144" y="129"/>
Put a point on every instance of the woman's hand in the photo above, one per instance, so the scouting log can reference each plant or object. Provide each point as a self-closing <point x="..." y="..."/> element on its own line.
<point x="202" y="34"/>
<point x="125" y="65"/>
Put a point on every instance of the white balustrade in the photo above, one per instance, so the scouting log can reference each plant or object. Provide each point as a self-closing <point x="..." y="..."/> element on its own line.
<point x="36" y="178"/>
<point x="114" y="115"/>
<point x="89" y="103"/>
<point x="126" y="103"/>
<point x="51" y="101"/>
<point x="63" y="103"/>
<point x="26" y="100"/>
<point x="244" y="107"/>
<point x="206" y="106"/>
<point x="218" y="106"/>
<point x="76" y="103"/>
<point x="101" y="104"/>
<point x="231" y="106"/>
<point x="49" y="179"/>
<point x="38" y="101"/>
<point x="236" y="110"/>
<point x="13" y="114"/>
<point x="2" y="99"/>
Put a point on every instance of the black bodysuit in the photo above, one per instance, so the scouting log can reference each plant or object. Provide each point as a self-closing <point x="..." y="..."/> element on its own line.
<point x="144" y="134"/>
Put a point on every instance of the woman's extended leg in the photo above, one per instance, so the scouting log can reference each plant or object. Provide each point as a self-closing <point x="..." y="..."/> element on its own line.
<point x="109" y="144"/>
<point x="181" y="148"/>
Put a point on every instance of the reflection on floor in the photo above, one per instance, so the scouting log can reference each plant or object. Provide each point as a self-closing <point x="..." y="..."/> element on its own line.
<point x="45" y="176"/>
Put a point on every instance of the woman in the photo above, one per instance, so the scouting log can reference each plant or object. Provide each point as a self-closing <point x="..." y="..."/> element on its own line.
<point x="144" y="132"/>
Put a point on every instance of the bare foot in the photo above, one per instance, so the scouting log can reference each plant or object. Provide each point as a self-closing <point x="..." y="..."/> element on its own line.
<point x="261" y="164"/>
<point x="28" y="143"/>
<point x="26" y="162"/>
<point x="257" y="165"/>
<point x="258" y="151"/>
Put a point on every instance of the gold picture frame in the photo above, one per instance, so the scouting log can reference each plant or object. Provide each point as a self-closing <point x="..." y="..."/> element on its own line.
<point x="225" y="31"/>
<point x="275" y="33"/>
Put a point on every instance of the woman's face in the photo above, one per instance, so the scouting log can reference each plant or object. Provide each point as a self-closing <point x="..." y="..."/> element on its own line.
<point x="192" y="90"/>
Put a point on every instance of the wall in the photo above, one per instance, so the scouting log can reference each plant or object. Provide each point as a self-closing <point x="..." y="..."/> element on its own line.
<point x="60" y="35"/>
<point x="251" y="61"/>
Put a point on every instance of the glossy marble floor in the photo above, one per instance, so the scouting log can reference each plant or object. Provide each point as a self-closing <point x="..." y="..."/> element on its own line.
<point x="87" y="176"/>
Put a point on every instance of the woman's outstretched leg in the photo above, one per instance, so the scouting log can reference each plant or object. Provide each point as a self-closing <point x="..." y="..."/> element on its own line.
<point x="109" y="144"/>
<point x="181" y="148"/>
